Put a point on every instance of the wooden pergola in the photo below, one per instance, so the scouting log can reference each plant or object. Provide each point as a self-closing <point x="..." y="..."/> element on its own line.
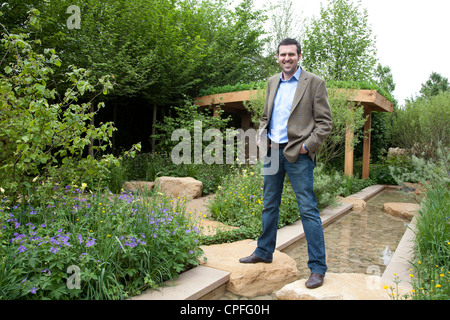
<point x="371" y="100"/>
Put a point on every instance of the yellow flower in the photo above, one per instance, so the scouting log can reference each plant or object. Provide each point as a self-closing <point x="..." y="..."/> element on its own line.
<point x="442" y="275"/>
<point x="109" y="236"/>
<point x="385" y="287"/>
<point x="100" y="204"/>
<point x="412" y="290"/>
<point x="101" y="221"/>
<point x="438" y="285"/>
<point x="419" y="262"/>
<point x="91" y="231"/>
<point x="83" y="186"/>
<point x="411" y="275"/>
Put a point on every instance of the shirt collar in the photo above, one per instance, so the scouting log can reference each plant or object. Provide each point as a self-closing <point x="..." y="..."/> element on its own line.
<point x="296" y="75"/>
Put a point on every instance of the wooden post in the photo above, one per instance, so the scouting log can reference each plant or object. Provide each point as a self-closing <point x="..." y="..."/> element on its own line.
<point x="349" y="152"/>
<point x="366" y="146"/>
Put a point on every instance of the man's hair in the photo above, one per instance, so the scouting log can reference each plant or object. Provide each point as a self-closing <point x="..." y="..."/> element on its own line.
<point x="289" y="41"/>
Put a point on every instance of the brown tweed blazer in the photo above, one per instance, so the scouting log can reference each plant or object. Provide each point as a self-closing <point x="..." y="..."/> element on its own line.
<point x="310" y="120"/>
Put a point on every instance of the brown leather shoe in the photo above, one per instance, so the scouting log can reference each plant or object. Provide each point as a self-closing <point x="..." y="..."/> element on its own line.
<point x="253" y="259"/>
<point x="315" y="280"/>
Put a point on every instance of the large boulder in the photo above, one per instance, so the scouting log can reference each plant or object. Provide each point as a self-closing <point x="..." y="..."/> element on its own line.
<point x="401" y="210"/>
<point x="342" y="286"/>
<point x="180" y="187"/>
<point x="250" y="280"/>
<point x="138" y="186"/>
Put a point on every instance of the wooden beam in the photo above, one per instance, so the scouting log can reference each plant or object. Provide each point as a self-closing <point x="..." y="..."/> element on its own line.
<point x="366" y="145"/>
<point x="368" y="98"/>
<point x="229" y="97"/>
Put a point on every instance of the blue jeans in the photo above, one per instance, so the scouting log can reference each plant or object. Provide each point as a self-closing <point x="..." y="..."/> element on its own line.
<point x="301" y="177"/>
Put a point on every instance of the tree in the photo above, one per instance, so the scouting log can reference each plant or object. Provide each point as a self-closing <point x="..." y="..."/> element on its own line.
<point x="435" y="85"/>
<point x="339" y="44"/>
<point x="43" y="139"/>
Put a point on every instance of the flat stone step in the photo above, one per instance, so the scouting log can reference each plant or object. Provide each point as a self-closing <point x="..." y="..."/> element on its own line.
<point x="368" y="192"/>
<point x="190" y="285"/>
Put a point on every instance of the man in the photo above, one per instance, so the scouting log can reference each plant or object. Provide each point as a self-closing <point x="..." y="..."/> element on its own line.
<point x="297" y="119"/>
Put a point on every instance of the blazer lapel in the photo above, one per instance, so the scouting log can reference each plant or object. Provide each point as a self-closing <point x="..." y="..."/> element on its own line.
<point x="301" y="87"/>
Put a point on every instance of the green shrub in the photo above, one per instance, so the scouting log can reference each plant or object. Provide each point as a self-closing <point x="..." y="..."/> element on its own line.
<point x="431" y="278"/>
<point x="423" y="126"/>
<point x="44" y="136"/>
<point x="122" y="245"/>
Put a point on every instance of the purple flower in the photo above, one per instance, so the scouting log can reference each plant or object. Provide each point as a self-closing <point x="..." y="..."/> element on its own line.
<point x="83" y="254"/>
<point x="33" y="290"/>
<point x="191" y="252"/>
<point x="80" y="238"/>
<point x="91" y="242"/>
<point x="54" y="250"/>
<point x="22" y="249"/>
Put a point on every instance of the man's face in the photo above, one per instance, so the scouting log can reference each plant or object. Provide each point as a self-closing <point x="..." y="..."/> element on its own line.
<point x="288" y="59"/>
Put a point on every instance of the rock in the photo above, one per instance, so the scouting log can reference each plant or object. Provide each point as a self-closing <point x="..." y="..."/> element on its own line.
<point x="401" y="210"/>
<point x="396" y="152"/>
<point x="180" y="187"/>
<point x="358" y="204"/>
<point x="250" y="280"/>
<point x="342" y="286"/>
<point x="138" y="186"/>
<point x="417" y="188"/>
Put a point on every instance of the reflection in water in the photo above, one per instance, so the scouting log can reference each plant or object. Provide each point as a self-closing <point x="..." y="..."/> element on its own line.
<point x="359" y="241"/>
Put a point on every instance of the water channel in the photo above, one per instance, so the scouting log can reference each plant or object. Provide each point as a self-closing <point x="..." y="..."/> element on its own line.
<point x="357" y="242"/>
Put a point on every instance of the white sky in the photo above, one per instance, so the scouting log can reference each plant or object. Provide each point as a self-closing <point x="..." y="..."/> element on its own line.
<point x="412" y="38"/>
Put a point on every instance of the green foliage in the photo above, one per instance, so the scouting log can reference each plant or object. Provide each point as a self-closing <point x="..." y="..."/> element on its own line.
<point x="156" y="49"/>
<point x="122" y="245"/>
<point x="432" y="246"/>
<point x="352" y="84"/>
<point x="44" y="136"/>
<point x="344" y="118"/>
<point x="338" y="44"/>
<point x="435" y="85"/>
<point x="241" y="86"/>
<point x="423" y="125"/>
<point x="185" y="118"/>
<point x="148" y="167"/>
